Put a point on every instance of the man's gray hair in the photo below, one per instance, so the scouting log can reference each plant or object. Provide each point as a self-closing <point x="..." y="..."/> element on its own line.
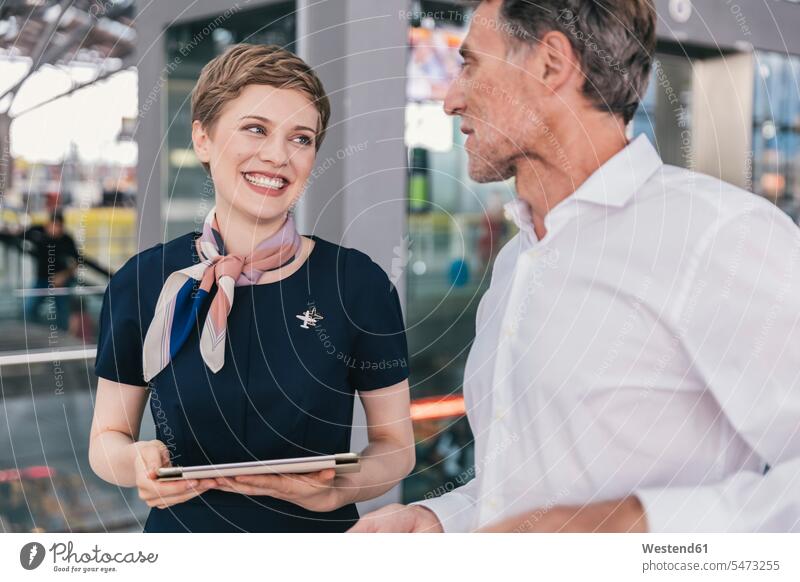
<point x="613" y="39"/>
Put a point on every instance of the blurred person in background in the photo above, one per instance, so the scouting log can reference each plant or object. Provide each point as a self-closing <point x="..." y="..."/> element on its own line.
<point x="56" y="258"/>
<point x="635" y="360"/>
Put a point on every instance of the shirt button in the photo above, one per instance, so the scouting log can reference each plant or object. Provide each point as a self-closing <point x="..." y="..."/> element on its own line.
<point x="499" y="414"/>
<point x="493" y="502"/>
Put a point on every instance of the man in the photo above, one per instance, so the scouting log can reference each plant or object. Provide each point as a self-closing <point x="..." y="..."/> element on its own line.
<point x="56" y="262"/>
<point x="635" y="360"/>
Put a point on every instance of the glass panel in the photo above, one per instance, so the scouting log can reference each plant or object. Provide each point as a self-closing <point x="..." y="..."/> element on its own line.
<point x="67" y="221"/>
<point x="46" y="483"/>
<point x="43" y="307"/>
<point x="664" y="114"/>
<point x="776" y="131"/>
<point x="64" y="227"/>
<point x="455" y="229"/>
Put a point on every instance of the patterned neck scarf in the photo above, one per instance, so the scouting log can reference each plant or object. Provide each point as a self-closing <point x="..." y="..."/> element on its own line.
<point x="179" y="302"/>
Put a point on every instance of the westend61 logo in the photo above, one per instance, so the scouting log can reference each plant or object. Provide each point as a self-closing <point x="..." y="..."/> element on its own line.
<point x="65" y="559"/>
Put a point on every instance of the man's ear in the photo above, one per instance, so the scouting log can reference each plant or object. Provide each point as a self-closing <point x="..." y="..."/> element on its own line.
<point x="200" y="141"/>
<point x="559" y="65"/>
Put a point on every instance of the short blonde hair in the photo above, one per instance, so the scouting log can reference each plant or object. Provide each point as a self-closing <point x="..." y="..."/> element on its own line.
<point x="224" y="77"/>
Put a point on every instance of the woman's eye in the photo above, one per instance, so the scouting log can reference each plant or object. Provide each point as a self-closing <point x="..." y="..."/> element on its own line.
<point x="255" y="127"/>
<point x="303" y="140"/>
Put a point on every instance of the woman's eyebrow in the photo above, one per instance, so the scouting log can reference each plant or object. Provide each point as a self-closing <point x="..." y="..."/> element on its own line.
<point x="267" y="120"/>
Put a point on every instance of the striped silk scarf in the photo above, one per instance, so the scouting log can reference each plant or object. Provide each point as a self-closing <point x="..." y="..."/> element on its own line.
<point x="179" y="302"/>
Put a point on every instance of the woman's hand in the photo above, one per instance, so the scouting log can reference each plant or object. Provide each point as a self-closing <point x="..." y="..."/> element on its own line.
<point x="312" y="491"/>
<point x="151" y="455"/>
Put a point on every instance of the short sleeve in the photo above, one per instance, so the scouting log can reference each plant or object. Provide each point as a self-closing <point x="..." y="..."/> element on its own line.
<point x="119" y="343"/>
<point x="379" y="351"/>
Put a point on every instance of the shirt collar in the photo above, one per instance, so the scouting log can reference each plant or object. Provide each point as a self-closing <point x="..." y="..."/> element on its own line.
<point x="613" y="184"/>
<point x="519" y="212"/>
<point x="616" y="181"/>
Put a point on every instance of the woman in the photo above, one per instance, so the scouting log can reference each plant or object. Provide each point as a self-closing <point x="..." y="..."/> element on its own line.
<point x="251" y="338"/>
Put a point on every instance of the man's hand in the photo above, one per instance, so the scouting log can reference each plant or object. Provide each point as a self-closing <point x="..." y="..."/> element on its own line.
<point x="618" y="516"/>
<point x="396" y="518"/>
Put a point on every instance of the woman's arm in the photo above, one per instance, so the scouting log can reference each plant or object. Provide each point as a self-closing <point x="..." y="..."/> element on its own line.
<point x="116" y="455"/>
<point x="118" y="410"/>
<point x="388" y="458"/>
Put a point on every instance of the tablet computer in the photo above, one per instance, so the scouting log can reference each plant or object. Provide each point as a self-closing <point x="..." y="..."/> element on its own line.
<point x="342" y="462"/>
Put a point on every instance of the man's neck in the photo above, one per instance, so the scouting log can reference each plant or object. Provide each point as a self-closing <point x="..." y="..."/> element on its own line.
<point x="545" y="183"/>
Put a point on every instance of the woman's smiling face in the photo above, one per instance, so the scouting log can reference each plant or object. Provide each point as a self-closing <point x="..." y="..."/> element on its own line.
<point x="261" y="150"/>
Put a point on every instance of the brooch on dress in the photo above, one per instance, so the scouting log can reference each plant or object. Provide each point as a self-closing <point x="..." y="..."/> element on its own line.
<point x="309" y="317"/>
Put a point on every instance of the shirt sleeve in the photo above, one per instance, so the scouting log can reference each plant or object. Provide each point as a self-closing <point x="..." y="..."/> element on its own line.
<point x="379" y="355"/>
<point x="457" y="509"/>
<point x="741" y="326"/>
<point x="119" y="342"/>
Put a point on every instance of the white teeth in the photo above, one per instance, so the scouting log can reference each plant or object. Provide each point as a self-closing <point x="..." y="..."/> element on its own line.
<point x="276" y="183"/>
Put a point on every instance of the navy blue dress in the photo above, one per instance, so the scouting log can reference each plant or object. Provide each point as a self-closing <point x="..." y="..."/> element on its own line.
<point x="286" y="389"/>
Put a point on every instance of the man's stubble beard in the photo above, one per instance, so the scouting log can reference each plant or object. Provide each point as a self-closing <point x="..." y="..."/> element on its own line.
<point x="500" y="169"/>
<point x="506" y="151"/>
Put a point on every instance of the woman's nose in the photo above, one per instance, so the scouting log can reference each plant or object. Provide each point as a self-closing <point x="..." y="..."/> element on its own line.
<point x="274" y="150"/>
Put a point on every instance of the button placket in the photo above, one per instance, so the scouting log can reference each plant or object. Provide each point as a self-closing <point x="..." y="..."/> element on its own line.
<point x="512" y="319"/>
<point x="517" y="297"/>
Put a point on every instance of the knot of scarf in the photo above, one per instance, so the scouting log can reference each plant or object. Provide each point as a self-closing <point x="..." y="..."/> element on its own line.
<point x="181" y="297"/>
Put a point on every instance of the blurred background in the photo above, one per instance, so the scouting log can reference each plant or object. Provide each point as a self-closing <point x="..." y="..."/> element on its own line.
<point x="96" y="164"/>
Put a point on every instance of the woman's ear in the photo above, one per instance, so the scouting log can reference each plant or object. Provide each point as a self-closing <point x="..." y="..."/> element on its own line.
<point x="200" y="141"/>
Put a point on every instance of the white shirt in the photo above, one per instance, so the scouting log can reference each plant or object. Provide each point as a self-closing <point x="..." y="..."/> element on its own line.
<point x="649" y="344"/>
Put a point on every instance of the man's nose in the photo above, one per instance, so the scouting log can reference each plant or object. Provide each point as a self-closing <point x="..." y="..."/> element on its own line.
<point x="454" y="100"/>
